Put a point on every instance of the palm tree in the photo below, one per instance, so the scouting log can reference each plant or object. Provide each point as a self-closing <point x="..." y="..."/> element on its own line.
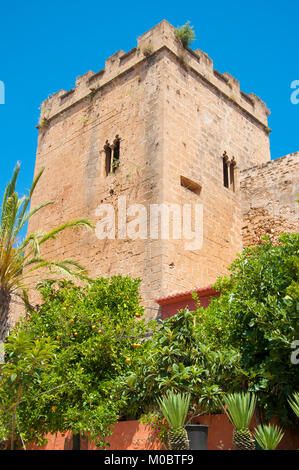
<point x="20" y="259"/>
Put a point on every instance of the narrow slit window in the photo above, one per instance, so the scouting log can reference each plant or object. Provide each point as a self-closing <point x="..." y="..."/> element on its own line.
<point x="232" y="176"/>
<point x="225" y="171"/>
<point x="116" y="153"/>
<point x="108" y="154"/>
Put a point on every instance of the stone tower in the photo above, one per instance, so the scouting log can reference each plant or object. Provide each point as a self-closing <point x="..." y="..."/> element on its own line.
<point x="158" y="125"/>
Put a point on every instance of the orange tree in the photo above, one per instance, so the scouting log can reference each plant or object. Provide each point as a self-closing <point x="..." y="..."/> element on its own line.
<point x="257" y="315"/>
<point x="97" y="335"/>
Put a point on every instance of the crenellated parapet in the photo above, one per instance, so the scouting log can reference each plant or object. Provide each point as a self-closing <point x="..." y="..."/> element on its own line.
<point x="161" y="37"/>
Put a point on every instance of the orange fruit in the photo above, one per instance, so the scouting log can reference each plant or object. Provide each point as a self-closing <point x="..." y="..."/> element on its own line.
<point x="54" y="408"/>
<point x="128" y="360"/>
<point x="100" y="331"/>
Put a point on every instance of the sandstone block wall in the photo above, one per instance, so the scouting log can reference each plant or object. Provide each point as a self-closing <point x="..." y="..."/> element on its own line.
<point x="205" y="115"/>
<point x="175" y="116"/>
<point x="269" y="192"/>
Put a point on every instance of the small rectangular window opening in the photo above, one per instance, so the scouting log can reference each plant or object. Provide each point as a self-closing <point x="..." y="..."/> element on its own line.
<point x="191" y="185"/>
<point x="112" y="155"/>
<point x="116" y="152"/>
<point x="225" y="171"/>
<point x="232" y="176"/>
<point x="228" y="172"/>
<point x="107" y="149"/>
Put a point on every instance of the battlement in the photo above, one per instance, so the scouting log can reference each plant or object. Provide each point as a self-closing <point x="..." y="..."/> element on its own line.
<point x="161" y="37"/>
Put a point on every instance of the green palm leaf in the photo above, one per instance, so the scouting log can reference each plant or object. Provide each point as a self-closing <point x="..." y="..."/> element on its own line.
<point x="20" y="260"/>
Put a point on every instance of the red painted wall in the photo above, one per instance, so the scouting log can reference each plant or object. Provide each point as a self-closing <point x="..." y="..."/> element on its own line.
<point x="171" y="304"/>
<point x="171" y="309"/>
<point x="132" y="435"/>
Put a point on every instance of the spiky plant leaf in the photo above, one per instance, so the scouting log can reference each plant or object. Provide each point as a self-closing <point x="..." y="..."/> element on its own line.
<point x="294" y="403"/>
<point x="268" y="436"/>
<point x="239" y="409"/>
<point x="174" y="407"/>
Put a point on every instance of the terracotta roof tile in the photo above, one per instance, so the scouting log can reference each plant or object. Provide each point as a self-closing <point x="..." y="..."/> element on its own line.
<point x="179" y="296"/>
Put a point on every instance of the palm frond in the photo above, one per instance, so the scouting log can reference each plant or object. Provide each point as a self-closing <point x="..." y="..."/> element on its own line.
<point x="28" y="199"/>
<point x="20" y="261"/>
<point x="26" y="216"/>
<point x="72" y="224"/>
<point x="10" y="188"/>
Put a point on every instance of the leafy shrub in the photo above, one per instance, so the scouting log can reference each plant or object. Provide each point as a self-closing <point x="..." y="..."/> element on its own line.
<point x="185" y="34"/>
<point x="97" y="335"/>
<point x="175" y="359"/>
<point x="257" y="315"/>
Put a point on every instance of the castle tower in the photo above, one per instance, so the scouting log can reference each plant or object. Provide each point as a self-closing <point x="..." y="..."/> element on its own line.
<point x="158" y="125"/>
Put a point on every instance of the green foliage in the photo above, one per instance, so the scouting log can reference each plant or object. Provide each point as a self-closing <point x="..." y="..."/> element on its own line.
<point x="239" y="407"/>
<point x="268" y="436"/>
<point x="158" y="425"/>
<point x="25" y="360"/>
<point x="257" y="315"/>
<point x="185" y="34"/>
<point x="175" y="359"/>
<point x="174" y="407"/>
<point x="294" y="403"/>
<point x="97" y="337"/>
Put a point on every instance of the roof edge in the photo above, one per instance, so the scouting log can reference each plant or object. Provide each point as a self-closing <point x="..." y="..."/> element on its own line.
<point x="181" y="296"/>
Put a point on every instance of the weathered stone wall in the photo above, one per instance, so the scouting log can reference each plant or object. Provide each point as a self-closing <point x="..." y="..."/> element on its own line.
<point x="71" y="150"/>
<point x="204" y="116"/>
<point x="269" y="192"/>
<point x="175" y="115"/>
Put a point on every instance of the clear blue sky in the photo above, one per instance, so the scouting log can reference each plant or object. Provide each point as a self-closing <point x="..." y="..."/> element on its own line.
<point x="44" y="46"/>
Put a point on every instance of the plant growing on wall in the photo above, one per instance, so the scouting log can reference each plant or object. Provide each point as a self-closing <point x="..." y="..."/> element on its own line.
<point x="97" y="335"/>
<point x="268" y="436"/>
<point x="174" y="407"/>
<point x="19" y="260"/>
<point x="185" y="34"/>
<point x="239" y="408"/>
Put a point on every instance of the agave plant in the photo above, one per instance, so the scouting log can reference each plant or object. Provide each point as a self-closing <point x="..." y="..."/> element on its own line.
<point x="239" y="409"/>
<point x="294" y="403"/>
<point x="174" y="407"/>
<point x="20" y="259"/>
<point x="268" y="436"/>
